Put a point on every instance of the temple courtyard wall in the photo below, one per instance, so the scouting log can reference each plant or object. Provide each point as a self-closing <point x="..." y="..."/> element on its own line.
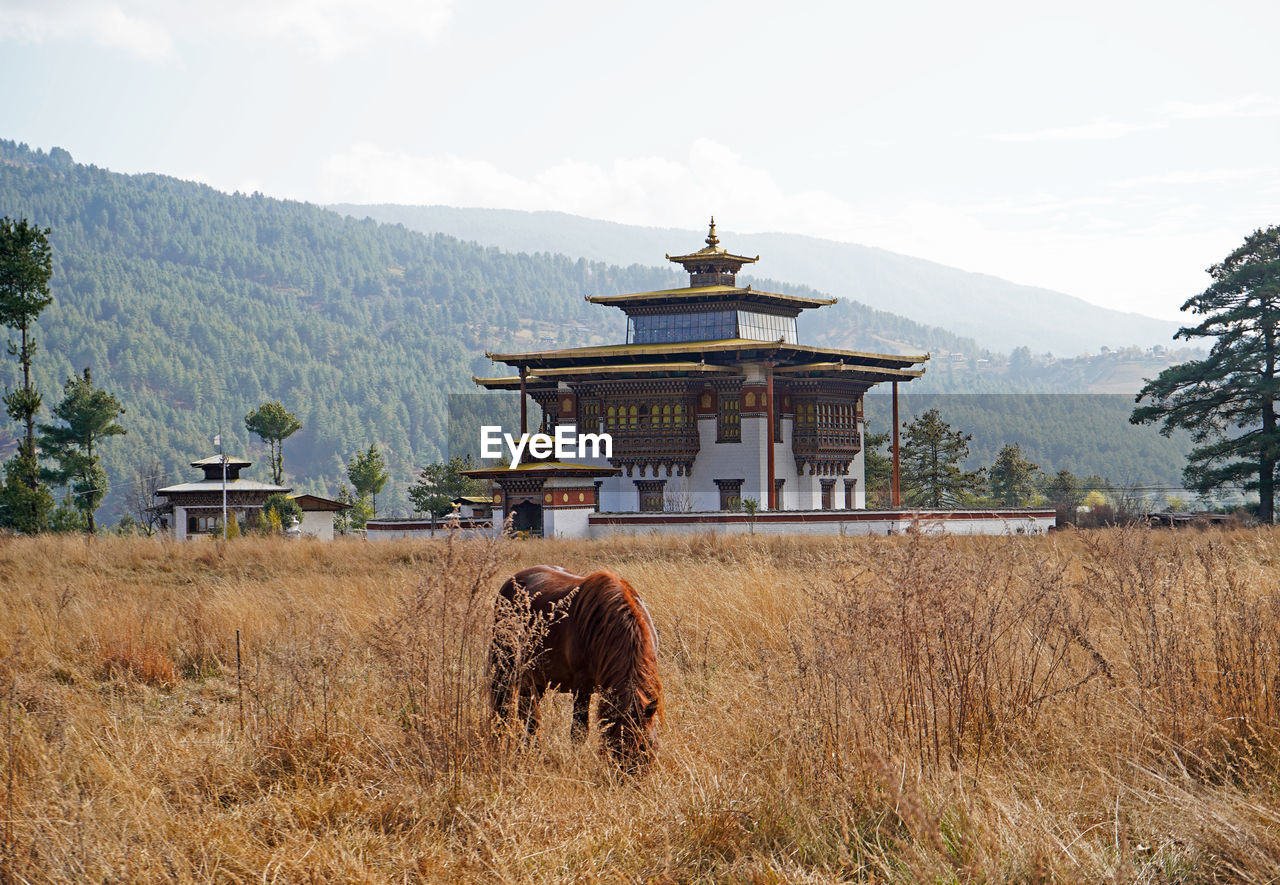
<point x="581" y="523"/>
<point x="827" y="522"/>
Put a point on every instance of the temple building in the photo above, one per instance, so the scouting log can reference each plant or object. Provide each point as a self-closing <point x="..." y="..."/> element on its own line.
<point x="713" y="405"/>
<point x="195" y="508"/>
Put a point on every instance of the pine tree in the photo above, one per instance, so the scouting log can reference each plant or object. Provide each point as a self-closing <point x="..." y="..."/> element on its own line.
<point x="1228" y="400"/>
<point x="273" y="424"/>
<point x="1013" y="477"/>
<point x="23" y="508"/>
<point x="438" y="484"/>
<point x="1065" y="494"/>
<point x="877" y="470"/>
<point x="89" y="415"/>
<point x="367" y="472"/>
<point x="26" y="263"/>
<point x="932" y="455"/>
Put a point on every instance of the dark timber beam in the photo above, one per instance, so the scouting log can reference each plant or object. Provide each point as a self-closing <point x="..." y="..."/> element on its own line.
<point x="524" y="403"/>
<point x="897" y="489"/>
<point x="771" y="494"/>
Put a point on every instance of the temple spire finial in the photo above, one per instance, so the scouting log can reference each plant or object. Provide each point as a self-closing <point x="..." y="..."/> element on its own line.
<point x="712" y="265"/>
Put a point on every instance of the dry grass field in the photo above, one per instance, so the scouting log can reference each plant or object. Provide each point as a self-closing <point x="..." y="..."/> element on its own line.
<point x="1082" y="707"/>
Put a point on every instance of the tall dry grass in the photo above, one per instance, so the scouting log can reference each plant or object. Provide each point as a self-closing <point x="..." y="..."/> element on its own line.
<point x="1086" y="707"/>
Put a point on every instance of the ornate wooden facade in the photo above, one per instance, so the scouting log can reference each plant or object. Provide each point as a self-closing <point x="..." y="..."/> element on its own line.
<point x="711" y="400"/>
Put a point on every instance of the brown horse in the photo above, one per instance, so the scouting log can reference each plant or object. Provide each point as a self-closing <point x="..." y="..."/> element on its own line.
<point x="553" y="629"/>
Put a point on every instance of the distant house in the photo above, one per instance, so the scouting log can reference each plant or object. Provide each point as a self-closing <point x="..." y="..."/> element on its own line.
<point x="473" y="506"/>
<point x="195" y="508"/>
<point x="317" y="515"/>
<point x="1200" y="520"/>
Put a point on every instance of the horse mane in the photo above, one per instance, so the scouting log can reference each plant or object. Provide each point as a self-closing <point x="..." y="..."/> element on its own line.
<point x="622" y="651"/>
<point x="539" y="577"/>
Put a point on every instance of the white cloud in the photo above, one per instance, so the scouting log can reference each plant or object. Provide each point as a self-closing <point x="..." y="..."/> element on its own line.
<point x="1094" y="246"/>
<point x="1184" y="177"/>
<point x="652" y="191"/>
<point x="1099" y="130"/>
<point x="105" y="24"/>
<point x="152" y="29"/>
<point x="1253" y="105"/>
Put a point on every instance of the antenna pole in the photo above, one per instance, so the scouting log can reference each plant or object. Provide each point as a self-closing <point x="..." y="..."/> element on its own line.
<point x="222" y="455"/>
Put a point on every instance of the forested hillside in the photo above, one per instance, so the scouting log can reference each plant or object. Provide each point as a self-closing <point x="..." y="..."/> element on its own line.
<point x="1088" y="434"/>
<point x="193" y="307"/>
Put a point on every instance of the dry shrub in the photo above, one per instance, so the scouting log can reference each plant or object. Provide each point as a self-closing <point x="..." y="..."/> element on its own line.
<point x="299" y="702"/>
<point x="936" y="651"/>
<point x="139" y="657"/>
<point x="434" y="649"/>
<point x="1198" y="647"/>
<point x="204" y="641"/>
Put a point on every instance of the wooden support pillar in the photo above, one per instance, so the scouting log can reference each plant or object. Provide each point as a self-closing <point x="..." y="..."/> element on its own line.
<point x="771" y="494"/>
<point x="524" y="402"/>
<point x="897" y="489"/>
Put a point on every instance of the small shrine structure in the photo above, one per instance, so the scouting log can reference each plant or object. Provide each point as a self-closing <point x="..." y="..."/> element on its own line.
<point x="195" y="508"/>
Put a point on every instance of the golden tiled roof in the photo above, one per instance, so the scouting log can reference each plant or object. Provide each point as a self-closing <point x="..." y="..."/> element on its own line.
<point x="710" y="293"/>
<point x="669" y="352"/>
<point x="512" y="382"/>
<point x="563" y="468"/>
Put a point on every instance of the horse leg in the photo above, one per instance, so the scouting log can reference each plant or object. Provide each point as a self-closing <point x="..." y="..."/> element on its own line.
<point x="503" y="688"/>
<point x="500" y="699"/>
<point x="581" y="713"/>
<point x="530" y="700"/>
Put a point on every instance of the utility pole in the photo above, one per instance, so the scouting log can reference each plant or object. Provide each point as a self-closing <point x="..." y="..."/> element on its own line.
<point x="223" y="457"/>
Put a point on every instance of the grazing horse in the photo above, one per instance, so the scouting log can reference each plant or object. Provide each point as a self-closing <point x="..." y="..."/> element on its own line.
<point x="557" y="630"/>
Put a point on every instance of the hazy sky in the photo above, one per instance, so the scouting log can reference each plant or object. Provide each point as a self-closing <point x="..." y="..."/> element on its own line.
<point x="1111" y="150"/>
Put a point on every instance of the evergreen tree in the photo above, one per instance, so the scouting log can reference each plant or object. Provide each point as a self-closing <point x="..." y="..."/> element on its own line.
<point x="89" y="415"/>
<point x="280" y="512"/>
<point x="361" y="512"/>
<point x="368" y="473"/>
<point x="438" y="484"/>
<point x="932" y="455"/>
<point x="1065" y="495"/>
<point x="23" y="508"/>
<point x="273" y="424"/>
<point x="1228" y="400"/>
<point x="1013" y="478"/>
<point x="26" y="264"/>
<point x="877" y="470"/>
<point x="342" y="518"/>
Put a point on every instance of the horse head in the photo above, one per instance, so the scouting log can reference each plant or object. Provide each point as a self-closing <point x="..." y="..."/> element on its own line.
<point x="631" y="726"/>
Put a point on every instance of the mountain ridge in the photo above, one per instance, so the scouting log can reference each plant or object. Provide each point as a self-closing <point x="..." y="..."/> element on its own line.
<point x="1006" y="314"/>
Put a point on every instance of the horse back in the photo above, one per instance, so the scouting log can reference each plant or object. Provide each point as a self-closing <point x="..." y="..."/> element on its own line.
<point x="540" y="592"/>
<point x="545" y="586"/>
<point x="616" y="637"/>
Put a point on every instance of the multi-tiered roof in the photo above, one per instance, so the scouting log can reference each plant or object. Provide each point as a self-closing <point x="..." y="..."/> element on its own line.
<point x="709" y="327"/>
